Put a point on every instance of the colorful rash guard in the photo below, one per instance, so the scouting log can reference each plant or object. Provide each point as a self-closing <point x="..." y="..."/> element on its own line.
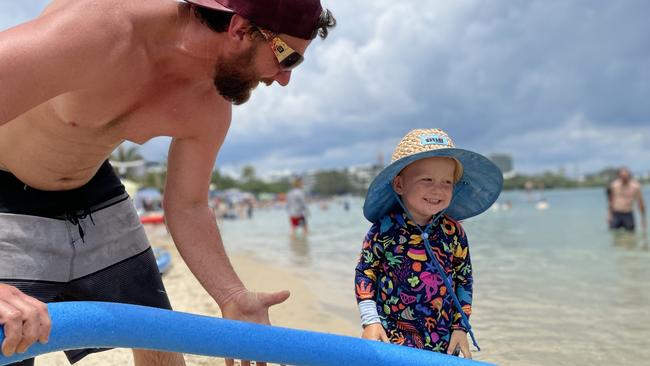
<point x="412" y="301"/>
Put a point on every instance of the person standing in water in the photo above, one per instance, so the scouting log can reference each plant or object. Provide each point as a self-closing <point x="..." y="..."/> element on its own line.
<point x="297" y="207"/>
<point x="622" y="194"/>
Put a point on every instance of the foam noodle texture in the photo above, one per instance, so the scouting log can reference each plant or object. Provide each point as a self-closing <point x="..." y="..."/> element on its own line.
<point x="102" y="324"/>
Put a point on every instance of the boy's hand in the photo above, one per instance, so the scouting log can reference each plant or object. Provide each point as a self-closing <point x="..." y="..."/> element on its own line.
<point x="375" y="332"/>
<point x="459" y="340"/>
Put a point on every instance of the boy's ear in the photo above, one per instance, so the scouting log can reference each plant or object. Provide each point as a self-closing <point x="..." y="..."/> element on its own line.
<point x="397" y="185"/>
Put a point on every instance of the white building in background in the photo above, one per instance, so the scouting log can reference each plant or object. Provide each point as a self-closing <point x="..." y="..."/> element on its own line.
<point x="134" y="168"/>
<point x="363" y="173"/>
<point x="137" y="168"/>
<point x="504" y="162"/>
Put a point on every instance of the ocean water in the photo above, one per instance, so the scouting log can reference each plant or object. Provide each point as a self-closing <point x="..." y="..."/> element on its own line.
<point x="552" y="287"/>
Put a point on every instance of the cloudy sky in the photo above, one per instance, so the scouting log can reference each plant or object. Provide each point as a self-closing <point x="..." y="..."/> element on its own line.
<point x="554" y="83"/>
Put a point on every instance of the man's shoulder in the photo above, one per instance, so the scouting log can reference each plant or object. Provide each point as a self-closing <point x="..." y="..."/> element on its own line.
<point x="112" y="14"/>
<point x="100" y="33"/>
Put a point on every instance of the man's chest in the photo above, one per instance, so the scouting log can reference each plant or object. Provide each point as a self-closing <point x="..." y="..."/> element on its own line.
<point x="134" y="114"/>
<point x="625" y="192"/>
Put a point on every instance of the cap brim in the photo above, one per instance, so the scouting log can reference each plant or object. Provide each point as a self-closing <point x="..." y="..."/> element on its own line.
<point x="211" y="4"/>
<point x="477" y="190"/>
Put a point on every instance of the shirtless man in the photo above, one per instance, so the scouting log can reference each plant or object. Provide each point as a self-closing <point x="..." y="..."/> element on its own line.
<point x="78" y="81"/>
<point x="622" y="193"/>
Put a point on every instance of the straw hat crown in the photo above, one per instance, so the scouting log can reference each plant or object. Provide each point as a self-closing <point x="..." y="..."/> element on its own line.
<point x="420" y="140"/>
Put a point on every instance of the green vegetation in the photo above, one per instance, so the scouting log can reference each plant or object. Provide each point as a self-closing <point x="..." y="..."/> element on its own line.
<point x="329" y="183"/>
<point x="249" y="182"/>
<point x="332" y="183"/>
<point x="125" y="154"/>
<point x="151" y="179"/>
<point x="549" y="180"/>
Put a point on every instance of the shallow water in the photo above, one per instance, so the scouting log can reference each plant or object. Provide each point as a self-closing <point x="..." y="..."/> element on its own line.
<point x="552" y="287"/>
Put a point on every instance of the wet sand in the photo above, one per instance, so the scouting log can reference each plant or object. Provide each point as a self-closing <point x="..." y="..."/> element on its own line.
<point x="300" y="311"/>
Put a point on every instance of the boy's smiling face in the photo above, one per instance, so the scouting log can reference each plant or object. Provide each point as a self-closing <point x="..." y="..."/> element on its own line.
<point x="426" y="187"/>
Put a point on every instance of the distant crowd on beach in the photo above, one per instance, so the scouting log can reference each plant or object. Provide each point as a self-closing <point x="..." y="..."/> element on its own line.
<point x="235" y="204"/>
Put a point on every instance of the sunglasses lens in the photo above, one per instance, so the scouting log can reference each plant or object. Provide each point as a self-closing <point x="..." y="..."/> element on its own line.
<point x="291" y="61"/>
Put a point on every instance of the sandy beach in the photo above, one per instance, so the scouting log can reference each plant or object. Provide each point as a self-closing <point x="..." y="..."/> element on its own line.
<point x="546" y="293"/>
<point x="299" y="311"/>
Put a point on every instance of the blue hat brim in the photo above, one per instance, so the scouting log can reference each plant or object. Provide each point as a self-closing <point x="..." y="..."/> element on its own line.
<point x="475" y="192"/>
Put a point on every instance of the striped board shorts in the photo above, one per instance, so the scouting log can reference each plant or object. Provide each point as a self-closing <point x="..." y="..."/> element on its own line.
<point x="85" y="244"/>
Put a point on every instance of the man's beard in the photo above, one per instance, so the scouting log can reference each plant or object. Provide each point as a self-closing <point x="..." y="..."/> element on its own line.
<point x="234" y="79"/>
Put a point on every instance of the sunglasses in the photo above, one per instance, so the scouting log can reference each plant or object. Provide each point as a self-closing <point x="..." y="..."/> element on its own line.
<point x="287" y="57"/>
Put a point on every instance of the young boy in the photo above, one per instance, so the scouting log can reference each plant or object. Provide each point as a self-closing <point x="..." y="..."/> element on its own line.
<point x="414" y="274"/>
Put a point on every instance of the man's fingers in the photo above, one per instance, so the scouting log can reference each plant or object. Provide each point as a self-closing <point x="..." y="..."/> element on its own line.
<point x="231" y="362"/>
<point x="12" y="319"/>
<point x="45" y="324"/>
<point x="29" y="317"/>
<point x="270" y="299"/>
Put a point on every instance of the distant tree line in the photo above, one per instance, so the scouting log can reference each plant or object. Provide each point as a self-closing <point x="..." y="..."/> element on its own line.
<point x="324" y="183"/>
<point x="549" y="180"/>
<point x="335" y="183"/>
<point x="329" y="183"/>
<point x="249" y="182"/>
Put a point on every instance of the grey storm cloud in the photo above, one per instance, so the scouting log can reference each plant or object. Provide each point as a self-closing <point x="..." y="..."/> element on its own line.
<point x="519" y="77"/>
<point x="554" y="83"/>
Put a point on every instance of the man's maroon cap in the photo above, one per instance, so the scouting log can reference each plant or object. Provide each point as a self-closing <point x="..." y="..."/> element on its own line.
<point x="297" y="18"/>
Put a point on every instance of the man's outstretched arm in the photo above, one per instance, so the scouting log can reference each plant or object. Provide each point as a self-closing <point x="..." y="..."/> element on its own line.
<point x="193" y="227"/>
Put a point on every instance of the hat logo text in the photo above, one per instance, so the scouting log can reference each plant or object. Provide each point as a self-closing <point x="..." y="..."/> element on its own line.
<point x="434" y="140"/>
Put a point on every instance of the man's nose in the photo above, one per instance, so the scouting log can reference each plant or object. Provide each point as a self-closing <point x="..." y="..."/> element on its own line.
<point x="283" y="78"/>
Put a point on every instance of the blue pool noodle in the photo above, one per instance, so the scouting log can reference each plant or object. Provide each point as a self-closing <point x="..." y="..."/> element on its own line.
<point x="102" y="324"/>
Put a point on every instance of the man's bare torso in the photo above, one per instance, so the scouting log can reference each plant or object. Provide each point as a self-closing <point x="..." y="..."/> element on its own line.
<point x="623" y="195"/>
<point x="61" y="143"/>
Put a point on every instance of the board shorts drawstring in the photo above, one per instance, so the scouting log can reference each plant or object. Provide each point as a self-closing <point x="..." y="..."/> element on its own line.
<point x="75" y="217"/>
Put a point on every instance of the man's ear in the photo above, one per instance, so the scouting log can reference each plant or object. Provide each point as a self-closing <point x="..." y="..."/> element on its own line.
<point x="397" y="185"/>
<point x="239" y="27"/>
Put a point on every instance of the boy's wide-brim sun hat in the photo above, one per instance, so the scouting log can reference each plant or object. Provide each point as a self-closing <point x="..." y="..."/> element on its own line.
<point x="475" y="191"/>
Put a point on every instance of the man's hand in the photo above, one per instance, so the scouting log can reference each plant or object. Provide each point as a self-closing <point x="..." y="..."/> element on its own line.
<point x="459" y="340"/>
<point x="24" y="318"/>
<point x="252" y="307"/>
<point x="375" y="332"/>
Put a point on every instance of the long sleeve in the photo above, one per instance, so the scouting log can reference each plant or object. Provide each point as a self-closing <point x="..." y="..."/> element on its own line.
<point x="462" y="277"/>
<point x="366" y="275"/>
